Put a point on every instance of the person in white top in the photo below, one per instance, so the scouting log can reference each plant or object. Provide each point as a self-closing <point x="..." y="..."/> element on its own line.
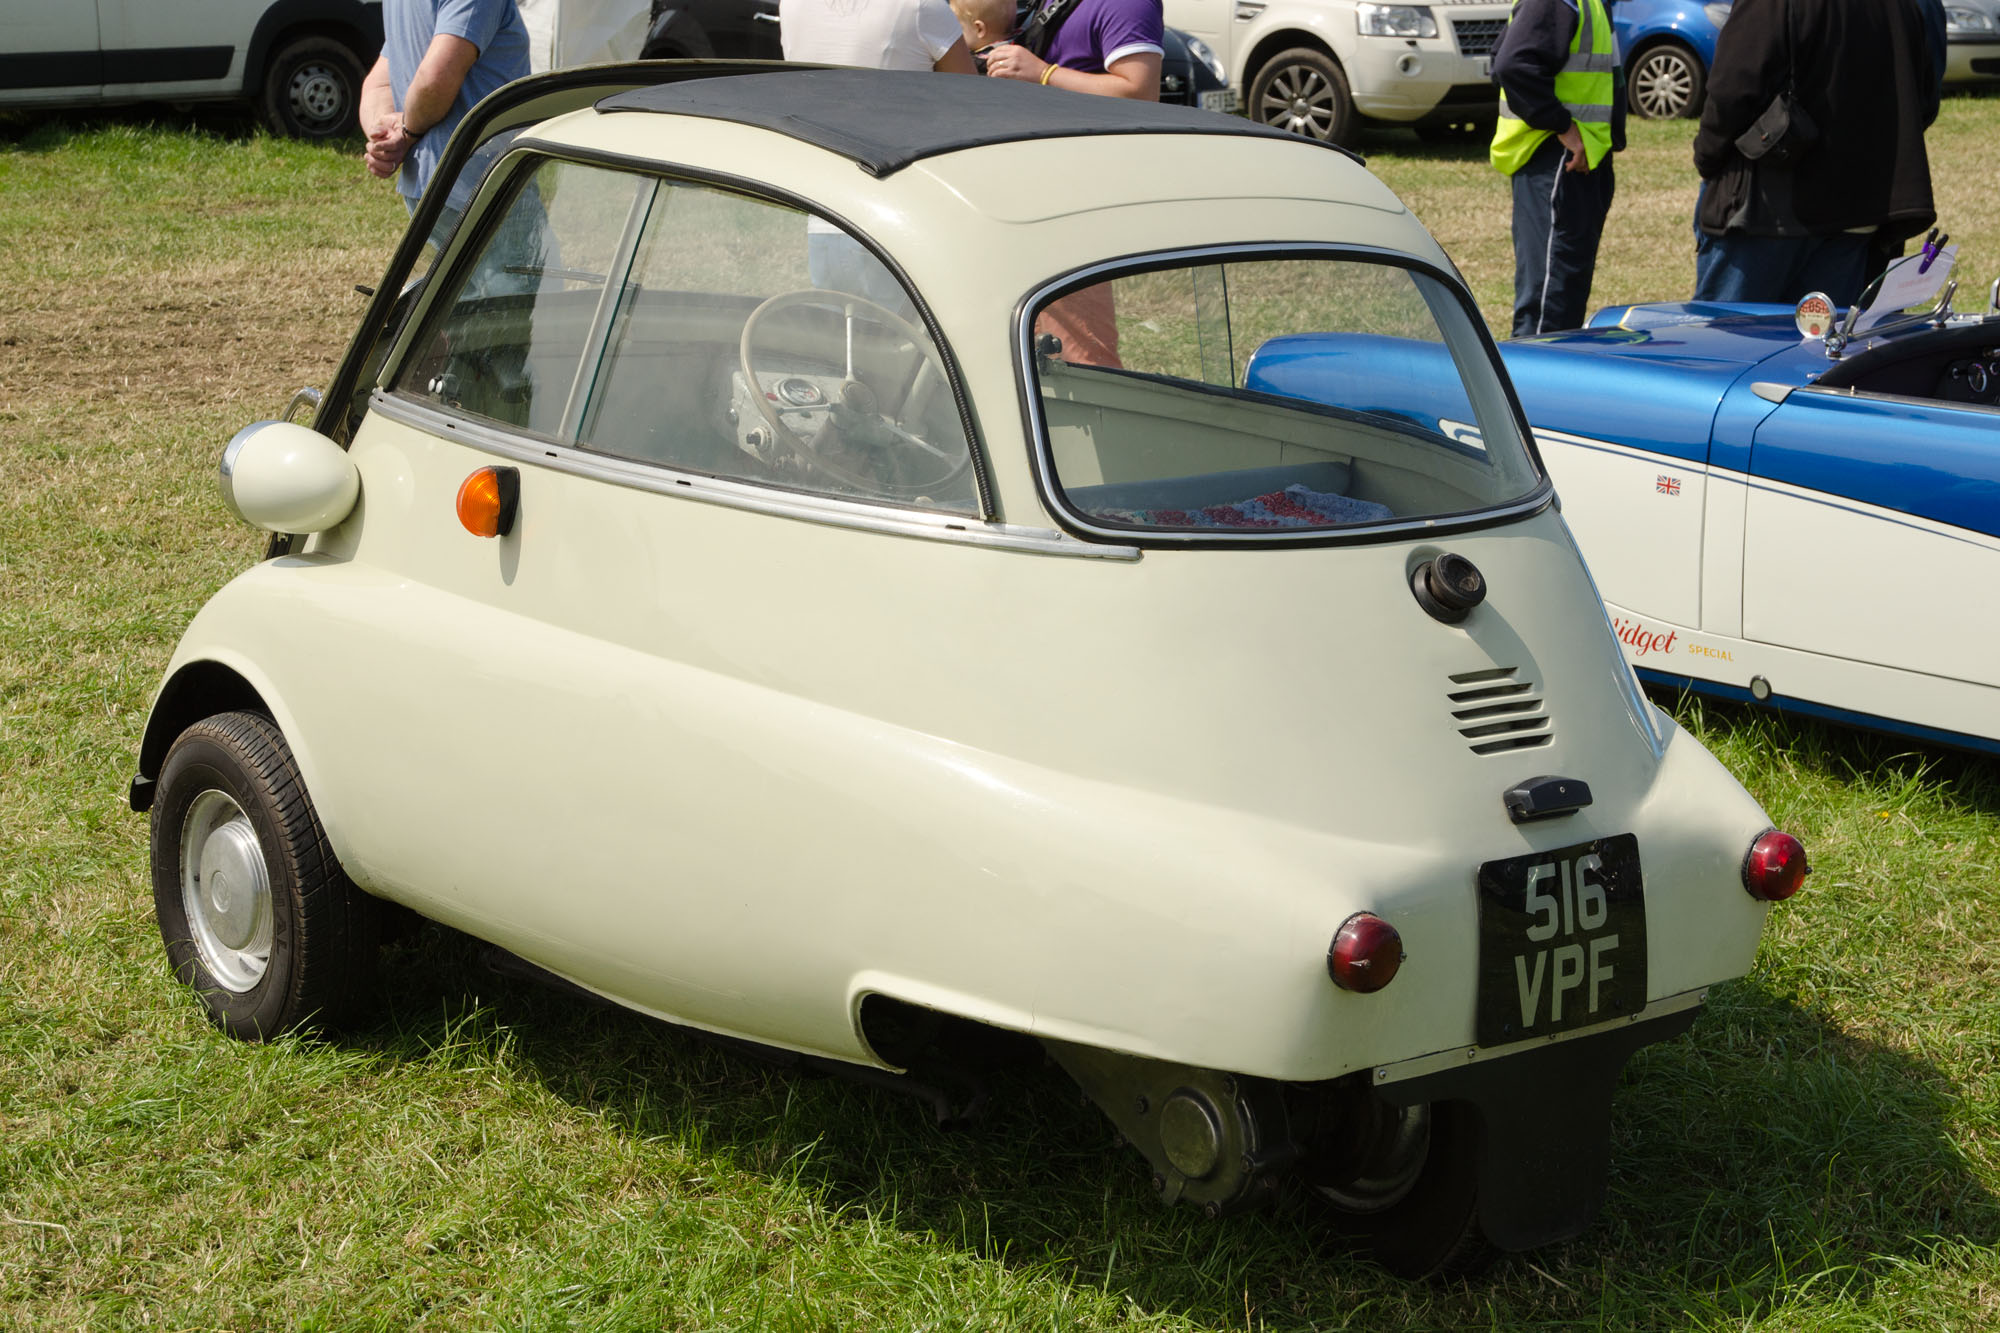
<point x="875" y="34"/>
<point x="871" y="34"/>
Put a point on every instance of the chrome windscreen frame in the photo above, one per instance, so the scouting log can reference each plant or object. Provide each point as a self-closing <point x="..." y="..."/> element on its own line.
<point x="1042" y="457"/>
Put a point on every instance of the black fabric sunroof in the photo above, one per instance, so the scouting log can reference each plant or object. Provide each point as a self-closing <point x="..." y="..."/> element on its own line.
<point x="883" y="120"/>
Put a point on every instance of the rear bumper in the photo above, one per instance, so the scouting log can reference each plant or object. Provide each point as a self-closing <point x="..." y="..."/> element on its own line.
<point x="1545" y="1125"/>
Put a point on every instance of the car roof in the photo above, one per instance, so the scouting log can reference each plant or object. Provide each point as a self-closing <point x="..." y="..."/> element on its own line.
<point x="883" y="120"/>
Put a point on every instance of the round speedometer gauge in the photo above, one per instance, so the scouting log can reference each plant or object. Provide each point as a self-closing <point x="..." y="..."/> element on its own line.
<point x="796" y="392"/>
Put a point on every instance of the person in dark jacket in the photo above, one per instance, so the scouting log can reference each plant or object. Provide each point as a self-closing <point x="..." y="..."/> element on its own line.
<point x="1865" y="77"/>
<point x="1561" y="118"/>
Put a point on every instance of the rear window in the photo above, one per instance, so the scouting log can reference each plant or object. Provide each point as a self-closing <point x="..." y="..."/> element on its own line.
<point x="1271" y="398"/>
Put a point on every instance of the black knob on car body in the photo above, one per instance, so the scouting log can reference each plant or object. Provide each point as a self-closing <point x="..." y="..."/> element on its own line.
<point x="1448" y="587"/>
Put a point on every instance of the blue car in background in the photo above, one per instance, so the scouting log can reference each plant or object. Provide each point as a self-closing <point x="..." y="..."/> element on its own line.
<point x="1810" y="523"/>
<point x="1668" y="46"/>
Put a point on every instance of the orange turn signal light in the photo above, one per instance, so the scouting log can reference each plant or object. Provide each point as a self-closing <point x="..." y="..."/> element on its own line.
<point x="488" y="500"/>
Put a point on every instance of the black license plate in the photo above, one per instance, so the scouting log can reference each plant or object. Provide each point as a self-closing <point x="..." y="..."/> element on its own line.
<point x="1562" y="940"/>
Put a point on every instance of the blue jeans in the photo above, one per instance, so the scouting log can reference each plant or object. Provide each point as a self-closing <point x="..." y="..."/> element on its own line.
<point x="1736" y="266"/>
<point x="1558" y="221"/>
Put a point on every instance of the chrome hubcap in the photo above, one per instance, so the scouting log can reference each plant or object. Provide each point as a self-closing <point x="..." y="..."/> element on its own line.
<point x="316" y="94"/>
<point x="1300" y="100"/>
<point x="1392" y="1170"/>
<point x="1662" y="86"/>
<point x="226" y="891"/>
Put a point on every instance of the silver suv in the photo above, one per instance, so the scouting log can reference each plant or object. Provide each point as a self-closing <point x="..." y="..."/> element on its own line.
<point x="1324" y="68"/>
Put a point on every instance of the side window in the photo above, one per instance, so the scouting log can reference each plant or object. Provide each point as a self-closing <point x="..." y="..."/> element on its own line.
<point x="757" y="343"/>
<point x="506" y="344"/>
<point x="690" y="327"/>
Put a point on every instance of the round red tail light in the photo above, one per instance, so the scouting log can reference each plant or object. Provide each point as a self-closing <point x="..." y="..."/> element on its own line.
<point x="1776" y="867"/>
<point x="1365" y="955"/>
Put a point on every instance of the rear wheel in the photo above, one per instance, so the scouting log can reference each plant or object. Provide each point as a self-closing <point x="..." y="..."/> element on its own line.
<point x="1303" y="90"/>
<point x="1665" y="82"/>
<point x="256" y="914"/>
<point x="1405" y="1181"/>
<point x="312" y="89"/>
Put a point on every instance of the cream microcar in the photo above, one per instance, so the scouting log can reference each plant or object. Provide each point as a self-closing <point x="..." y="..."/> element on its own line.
<point x="806" y="560"/>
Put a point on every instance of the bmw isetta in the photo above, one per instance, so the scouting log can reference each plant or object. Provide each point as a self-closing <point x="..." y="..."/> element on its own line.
<point x="807" y="560"/>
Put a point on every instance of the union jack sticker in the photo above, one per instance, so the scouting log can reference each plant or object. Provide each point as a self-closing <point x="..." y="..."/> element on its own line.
<point x="1667" y="485"/>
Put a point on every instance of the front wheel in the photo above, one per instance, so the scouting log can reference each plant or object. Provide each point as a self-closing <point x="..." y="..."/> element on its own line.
<point x="256" y="914"/>
<point x="1666" y="82"/>
<point x="312" y="89"/>
<point x="1303" y="90"/>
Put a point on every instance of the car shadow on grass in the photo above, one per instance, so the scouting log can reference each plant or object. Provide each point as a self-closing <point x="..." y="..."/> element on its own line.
<point x="35" y="132"/>
<point x="1769" y="1161"/>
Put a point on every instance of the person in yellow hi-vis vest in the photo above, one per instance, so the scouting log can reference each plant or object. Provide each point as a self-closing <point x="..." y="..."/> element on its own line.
<point x="1561" y="118"/>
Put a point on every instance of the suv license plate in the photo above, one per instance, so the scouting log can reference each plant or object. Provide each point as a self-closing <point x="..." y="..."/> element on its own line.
<point x="1562" y="940"/>
<point x="1219" y="99"/>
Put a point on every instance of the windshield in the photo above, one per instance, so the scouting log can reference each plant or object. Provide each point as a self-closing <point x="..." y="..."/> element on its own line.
<point x="1226" y="398"/>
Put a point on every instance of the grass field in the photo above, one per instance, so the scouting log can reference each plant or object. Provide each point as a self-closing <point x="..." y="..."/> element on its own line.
<point x="1822" y="1154"/>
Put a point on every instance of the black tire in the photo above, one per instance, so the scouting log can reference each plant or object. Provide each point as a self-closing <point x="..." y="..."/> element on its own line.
<point x="231" y="809"/>
<point x="1303" y="90"/>
<point x="1427" y="1226"/>
<point x="312" y="89"/>
<point x="1665" y="82"/>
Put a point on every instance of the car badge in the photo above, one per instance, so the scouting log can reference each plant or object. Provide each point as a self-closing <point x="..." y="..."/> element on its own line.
<point x="1814" y="315"/>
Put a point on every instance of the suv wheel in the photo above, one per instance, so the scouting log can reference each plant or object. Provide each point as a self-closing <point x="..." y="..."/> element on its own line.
<point x="1303" y="90"/>
<point x="312" y="89"/>
<point x="1666" y="82"/>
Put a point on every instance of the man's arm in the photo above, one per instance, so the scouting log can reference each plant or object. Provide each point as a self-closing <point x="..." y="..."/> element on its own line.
<point x="377" y="100"/>
<point x="387" y="144"/>
<point x="958" y="60"/>
<point x="434" y="87"/>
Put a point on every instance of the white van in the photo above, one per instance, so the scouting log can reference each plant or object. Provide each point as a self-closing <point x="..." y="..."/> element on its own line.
<point x="298" y="62"/>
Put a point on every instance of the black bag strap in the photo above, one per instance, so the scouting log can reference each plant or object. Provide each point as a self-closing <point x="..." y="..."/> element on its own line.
<point x="1040" y="29"/>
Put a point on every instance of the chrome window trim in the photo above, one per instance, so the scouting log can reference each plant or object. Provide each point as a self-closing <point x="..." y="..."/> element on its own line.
<point x="856" y="515"/>
<point x="1848" y="391"/>
<point x="1043" y="457"/>
<point x="590" y="364"/>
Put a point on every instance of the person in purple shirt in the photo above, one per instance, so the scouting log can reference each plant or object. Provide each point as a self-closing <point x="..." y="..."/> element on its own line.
<point x="1109" y="47"/>
<point x="1112" y="48"/>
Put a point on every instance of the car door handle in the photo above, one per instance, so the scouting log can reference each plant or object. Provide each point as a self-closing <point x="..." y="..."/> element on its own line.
<point x="762" y="17"/>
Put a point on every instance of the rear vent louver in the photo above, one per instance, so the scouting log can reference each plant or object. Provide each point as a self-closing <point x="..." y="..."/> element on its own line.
<point x="1498" y="711"/>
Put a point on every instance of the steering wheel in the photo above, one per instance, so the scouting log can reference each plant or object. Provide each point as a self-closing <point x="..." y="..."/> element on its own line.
<point x="857" y="399"/>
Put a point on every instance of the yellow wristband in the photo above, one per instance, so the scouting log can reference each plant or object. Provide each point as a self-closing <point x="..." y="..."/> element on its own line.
<point x="1048" y="72"/>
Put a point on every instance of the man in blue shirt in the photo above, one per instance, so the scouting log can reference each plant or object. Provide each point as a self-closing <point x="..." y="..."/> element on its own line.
<point x="439" y="58"/>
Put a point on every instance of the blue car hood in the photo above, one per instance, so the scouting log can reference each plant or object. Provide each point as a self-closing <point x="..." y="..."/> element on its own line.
<point x="1653" y="377"/>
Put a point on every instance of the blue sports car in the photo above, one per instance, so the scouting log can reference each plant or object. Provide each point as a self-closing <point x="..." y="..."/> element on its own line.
<point x="1810" y="522"/>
